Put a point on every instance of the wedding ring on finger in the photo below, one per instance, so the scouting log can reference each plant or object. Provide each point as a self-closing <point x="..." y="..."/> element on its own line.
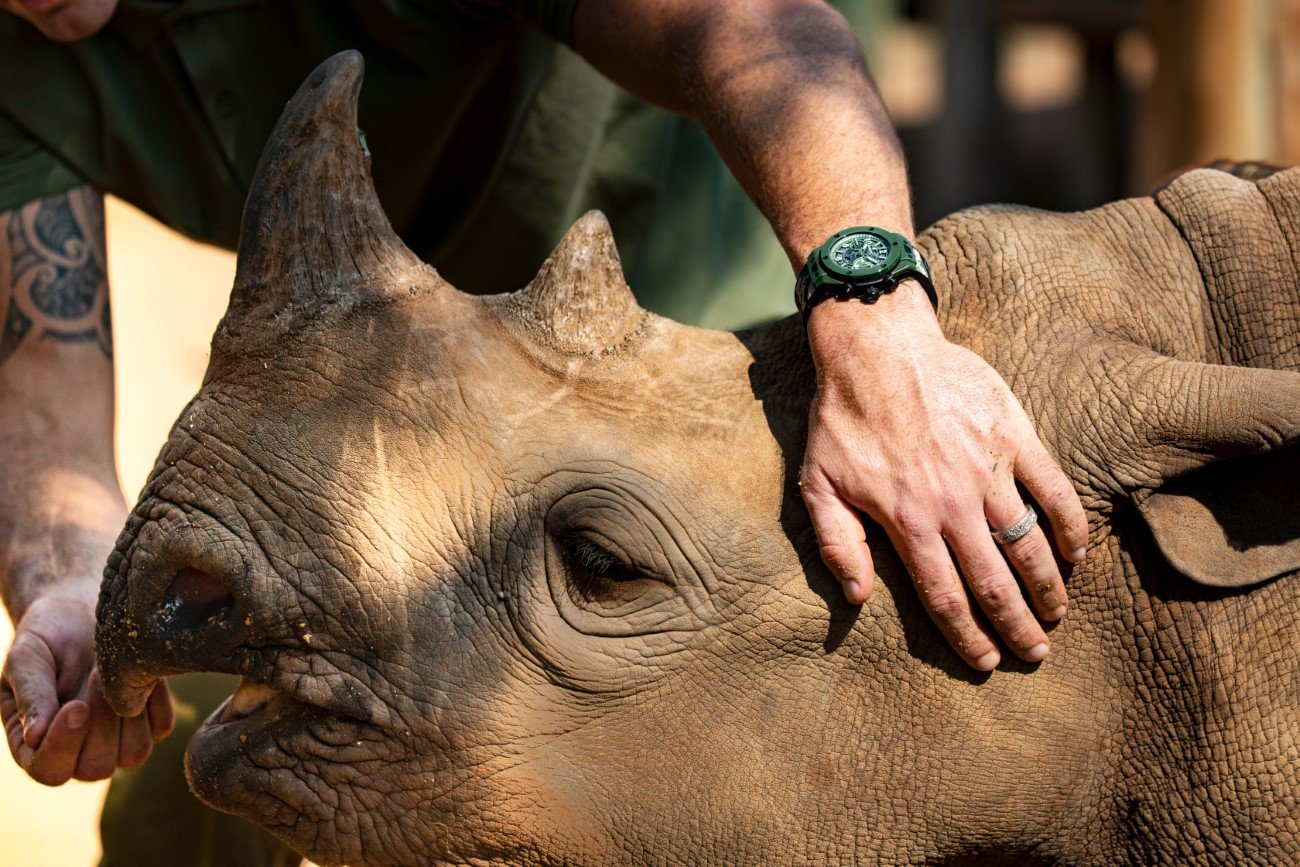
<point x="1018" y="529"/>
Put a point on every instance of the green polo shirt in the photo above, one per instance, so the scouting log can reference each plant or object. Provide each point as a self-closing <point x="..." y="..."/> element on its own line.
<point x="489" y="138"/>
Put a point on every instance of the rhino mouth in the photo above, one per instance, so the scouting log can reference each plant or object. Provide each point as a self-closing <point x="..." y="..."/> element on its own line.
<point x="255" y="700"/>
<point x="260" y="720"/>
<point x="264" y="748"/>
<point x="267" y="697"/>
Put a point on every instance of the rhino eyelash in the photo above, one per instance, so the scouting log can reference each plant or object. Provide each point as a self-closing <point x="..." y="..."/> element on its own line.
<point x="596" y="560"/>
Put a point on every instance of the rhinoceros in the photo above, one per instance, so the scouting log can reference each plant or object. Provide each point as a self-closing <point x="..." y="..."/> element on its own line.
<point x="527" y="579"/>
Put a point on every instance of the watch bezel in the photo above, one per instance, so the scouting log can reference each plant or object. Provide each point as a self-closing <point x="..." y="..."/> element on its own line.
<point x="892" y="241"/>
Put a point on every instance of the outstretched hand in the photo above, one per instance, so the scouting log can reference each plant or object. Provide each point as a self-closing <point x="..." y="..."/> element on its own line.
<point x="56" y="719"/>
<point x="927" y="439"/>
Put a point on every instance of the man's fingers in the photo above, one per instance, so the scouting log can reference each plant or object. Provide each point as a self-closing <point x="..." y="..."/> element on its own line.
<point x="996" y="591"/>
<point x="13" y="725"/>
<point x="1030" y="554"/>
<point x="98" y="757"/>
<point x="161" y="715"/>
<point x="53" y="764"/>
<point x="135" y="742"/>
<point x="137" y="738"/>
<point x="945" y="599"/>
<point x="31" y="673"/>
<point x="1049" y="485"/>
<point x="842" y="542"/>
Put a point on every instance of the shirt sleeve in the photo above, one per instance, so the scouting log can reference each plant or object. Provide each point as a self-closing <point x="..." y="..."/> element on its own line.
<point x="28" y="169"/>
<point x="552" y="17"/>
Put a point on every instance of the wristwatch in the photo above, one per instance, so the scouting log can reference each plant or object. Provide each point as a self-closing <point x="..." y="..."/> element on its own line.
<point x="863" y="262"/>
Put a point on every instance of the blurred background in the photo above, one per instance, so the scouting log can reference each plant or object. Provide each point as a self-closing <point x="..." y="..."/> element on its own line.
<point x="1051" y="103"/>
<point x="1066" y="105"/>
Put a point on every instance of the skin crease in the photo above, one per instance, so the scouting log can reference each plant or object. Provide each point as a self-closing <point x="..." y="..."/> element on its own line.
<point x="390" y="472"/>
<point x="767" y="79"/>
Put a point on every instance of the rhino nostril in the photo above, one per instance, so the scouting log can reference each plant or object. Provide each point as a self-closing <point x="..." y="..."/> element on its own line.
<point x="194" y="598"/>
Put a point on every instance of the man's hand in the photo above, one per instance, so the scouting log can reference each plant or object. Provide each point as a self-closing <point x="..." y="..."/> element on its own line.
<point x="60" y="503"/>
<point x="924" y="437"/>
<point x="58" y="725"/>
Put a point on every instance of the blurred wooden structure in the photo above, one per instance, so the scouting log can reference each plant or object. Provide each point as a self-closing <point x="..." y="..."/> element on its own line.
<point x="1217" y="88"/>
<point x="981" y="148"/>
<point x="1287" y="98"/>
<point x="1166" y="84"/>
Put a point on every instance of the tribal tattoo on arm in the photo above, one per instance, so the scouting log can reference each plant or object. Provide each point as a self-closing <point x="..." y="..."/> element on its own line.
<point x="53" y="272"/>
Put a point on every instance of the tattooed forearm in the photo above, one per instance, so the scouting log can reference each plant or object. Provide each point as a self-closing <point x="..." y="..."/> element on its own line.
<point x="53" y="282"/>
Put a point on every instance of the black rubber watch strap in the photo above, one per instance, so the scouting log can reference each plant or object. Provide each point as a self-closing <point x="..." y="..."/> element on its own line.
<point x="807" y="295"/>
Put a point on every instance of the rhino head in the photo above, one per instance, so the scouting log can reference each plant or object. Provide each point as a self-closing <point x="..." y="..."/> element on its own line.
<point x="527" y="579"/>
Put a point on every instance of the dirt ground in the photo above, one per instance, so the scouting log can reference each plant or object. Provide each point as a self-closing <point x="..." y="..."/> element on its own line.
<point x="168" y="294"/>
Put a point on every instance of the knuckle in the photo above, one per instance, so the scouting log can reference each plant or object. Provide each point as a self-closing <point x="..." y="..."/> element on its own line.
<point x="951" y="502"/>
<point x="995" y="591"/>
<point x="1060" y="498"/>
<point x="1025" y="635"/>
<point x="948" y="605"/>
<point x="1029" y="551"/>
<point x="912" y="523"/>
<point x="834" y="552"/>
<point x="840" y="565"/>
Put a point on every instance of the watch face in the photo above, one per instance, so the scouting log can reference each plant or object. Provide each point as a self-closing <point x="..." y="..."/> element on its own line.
<point x="861" y="251"/>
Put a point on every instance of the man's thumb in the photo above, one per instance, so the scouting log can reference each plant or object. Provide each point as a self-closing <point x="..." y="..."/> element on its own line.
<point x="32" y="675"/>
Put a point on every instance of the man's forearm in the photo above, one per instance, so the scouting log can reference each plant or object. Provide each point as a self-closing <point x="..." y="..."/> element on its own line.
<point x="59" y="500"/>
<point x="782" y="89"/>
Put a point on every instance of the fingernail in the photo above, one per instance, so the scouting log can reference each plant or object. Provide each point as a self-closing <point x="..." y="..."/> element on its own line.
<point x="988" y="661"/>
<point x="851" y="589"/>
<point x="1077" y="555"/>
<point x="1056" y="613"/>
<point x="1037" y="653"/>
<point x="77" y="717"/>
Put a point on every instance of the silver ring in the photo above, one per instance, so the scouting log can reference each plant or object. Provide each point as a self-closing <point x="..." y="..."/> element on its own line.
<point x="1018" y="529"/>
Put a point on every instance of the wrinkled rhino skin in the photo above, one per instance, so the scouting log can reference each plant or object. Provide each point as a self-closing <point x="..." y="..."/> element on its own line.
<point x="531" y="582"/>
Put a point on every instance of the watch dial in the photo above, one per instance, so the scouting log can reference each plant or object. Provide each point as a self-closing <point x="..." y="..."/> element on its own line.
<point x="859" y="252"/>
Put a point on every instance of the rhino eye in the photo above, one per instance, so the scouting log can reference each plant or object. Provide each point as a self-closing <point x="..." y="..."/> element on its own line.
<point x="597" y="560"/>
<point x="594" y="570"/>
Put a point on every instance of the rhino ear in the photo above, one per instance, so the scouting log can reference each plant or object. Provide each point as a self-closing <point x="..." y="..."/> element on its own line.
<point x="313" y="231"/>
<point x="1232" y="524"/>
<point x="580" y="300"/>
<point x="1223" y="445"/>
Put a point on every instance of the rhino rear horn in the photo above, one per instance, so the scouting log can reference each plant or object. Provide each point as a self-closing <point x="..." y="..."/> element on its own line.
<point x="1214" y="457"/>
<point x="580" y="300"/>
<point x="313" y="230"/>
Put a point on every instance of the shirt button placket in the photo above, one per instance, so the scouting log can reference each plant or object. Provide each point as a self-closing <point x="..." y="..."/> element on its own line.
<point x="213" y="81"/>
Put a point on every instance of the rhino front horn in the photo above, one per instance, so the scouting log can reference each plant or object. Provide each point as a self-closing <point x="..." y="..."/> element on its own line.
<point x="314" y="233"/>
<point x="579" y="301"/>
